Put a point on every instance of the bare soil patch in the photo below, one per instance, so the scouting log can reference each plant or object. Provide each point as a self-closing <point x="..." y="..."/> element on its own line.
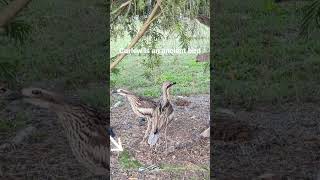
<point x="285" y="143"/>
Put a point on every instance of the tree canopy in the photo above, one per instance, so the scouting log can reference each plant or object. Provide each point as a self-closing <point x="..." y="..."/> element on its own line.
<point x="164" y="17"/>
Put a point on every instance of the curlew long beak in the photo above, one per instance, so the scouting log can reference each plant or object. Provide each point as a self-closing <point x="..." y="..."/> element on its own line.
<point x="173" y="83"/>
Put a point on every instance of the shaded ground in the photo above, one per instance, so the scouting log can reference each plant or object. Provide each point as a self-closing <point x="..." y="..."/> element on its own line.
<point x="260" y="59"/>
<point x="191" y="162"/>
<point x="45" y="154"/>
<point x="286" y="142"/>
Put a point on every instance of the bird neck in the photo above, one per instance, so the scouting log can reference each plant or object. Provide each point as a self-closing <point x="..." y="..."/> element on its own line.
<point x="165" y="96"/>
<point x="132" y="99"/>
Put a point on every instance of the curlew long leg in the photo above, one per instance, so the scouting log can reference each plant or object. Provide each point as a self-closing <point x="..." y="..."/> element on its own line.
<point x="165" y="135"/>
<point x="147" y="131"/>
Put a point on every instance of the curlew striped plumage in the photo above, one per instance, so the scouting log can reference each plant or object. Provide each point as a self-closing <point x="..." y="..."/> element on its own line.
<point x="141" y="106"/>
<point x="162" y="115"/>
<point x="84" y="126"/>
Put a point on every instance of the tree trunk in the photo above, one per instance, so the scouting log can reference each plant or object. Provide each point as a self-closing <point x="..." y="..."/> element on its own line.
<point x="11" y="10"/>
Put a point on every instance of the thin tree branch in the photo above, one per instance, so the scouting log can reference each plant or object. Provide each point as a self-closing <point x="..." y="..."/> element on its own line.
<point x="141" y="32"/>
<point x="11" y="11"/>
<point x="121" y="7"/>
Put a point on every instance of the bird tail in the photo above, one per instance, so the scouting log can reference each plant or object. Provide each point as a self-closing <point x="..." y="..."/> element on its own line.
<point x="153" y="138"/>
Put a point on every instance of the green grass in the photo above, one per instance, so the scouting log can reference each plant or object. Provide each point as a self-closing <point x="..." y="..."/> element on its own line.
<point x="259" y="57"/>
<point x="191" y="77"/>
<point x="127" y="161"/>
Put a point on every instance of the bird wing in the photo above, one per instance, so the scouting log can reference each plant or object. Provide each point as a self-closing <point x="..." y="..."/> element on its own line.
<point x="155" y="120"/>
<point x="160" y="118"/>
<point x="146" y="103"/>
<point x="167" y="108"/>
<point x="96" y="124"/>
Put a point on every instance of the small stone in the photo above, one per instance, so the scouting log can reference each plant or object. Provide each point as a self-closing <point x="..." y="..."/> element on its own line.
<point x="141" y="169"/>
<point x="142" y="121"/>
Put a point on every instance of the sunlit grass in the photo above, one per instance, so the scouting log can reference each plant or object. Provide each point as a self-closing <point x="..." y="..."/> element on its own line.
<point x="190" y="76"/>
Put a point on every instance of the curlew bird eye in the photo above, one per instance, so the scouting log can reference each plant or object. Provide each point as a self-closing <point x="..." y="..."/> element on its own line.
<point x="36" y="92"/>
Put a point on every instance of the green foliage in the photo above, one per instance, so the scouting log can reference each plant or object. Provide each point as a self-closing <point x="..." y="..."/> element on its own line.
<point x="18" y="30"/>
<point x="271" y="6"/>
<point x="152" y="60"/>
<point x="182" y="31"/>
<point x="311" y="19"/>
<point x="259" y="58"/>
<point x="173" y="20"/>
<point x="191" y="77"/>
<point x="59" y="48"/>
<point x="8" y="69"/>
<point x="127" y="161"/>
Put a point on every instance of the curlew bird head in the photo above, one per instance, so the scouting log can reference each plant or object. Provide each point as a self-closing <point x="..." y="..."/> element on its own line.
<point x="165" y="90"/>
<point x="167" y="84"/>
<point x="121" y="92"/>
<point x="84" y="127"/>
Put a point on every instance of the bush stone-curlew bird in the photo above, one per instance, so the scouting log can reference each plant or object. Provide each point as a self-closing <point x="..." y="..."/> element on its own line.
<point x="84" y="126"/>
<point x="141" y="106"/>
<point x="162" y="115"/>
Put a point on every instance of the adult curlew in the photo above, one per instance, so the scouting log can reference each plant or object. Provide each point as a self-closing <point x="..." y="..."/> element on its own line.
<point x="162" y="115"/>
<point x="84" y="126"/>
<point x="141" y="106"/>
